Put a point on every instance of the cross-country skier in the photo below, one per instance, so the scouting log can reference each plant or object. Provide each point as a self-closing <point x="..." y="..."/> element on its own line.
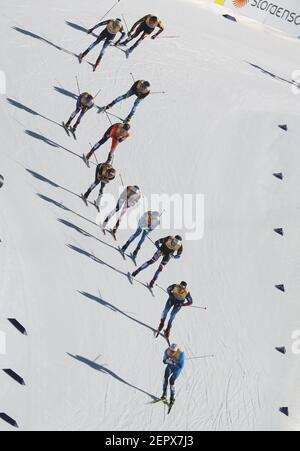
<point x="147" y="223"/>
<point x="144" y="27"/>
<point x="141" y="89"/>
<point x="174" y="359"/>
<point x="179" y="296"/>
<point x="128" y="199"/>
<point x="118" y="133"/>
<point x="169" y="247"/>
<point x="84" y="103"/>
<point x="113" y="27"/>
<point x="105" y="173"/>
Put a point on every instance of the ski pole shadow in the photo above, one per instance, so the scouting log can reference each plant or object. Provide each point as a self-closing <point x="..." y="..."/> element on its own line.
<point x="42" y="39"/>
<point x="19" y="105"/>
<point x="96" y="259"/>
<point x="63" y="207"/>
<point x="50" y="182"/>
<point x="65" y="92"/>
<point x="101" y="262"/>
<point x="274" y="76"/>
<point x="114" y="309"/>
<point x="104" y="370"/>
<point x="83" y="232"/>
<point x="51" y="143"/>
<point x="78" y="27"/>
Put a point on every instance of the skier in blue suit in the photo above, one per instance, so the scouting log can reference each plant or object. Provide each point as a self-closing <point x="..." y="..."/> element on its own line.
<point x="148" y="222"/>
<point x="174" y="359"/>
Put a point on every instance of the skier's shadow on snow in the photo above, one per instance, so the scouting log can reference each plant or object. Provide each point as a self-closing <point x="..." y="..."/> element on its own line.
<point x="77" y="27"/>
<point x="51" y="143"/>
<point x="46" y="41"/>
<point x="65" y="92"/>
<point x="114" y="309"/>
<point x="101" y="262"/>
<point x="19" y="105"/>
<point x="83" y="232"/>
<point x="63" y="207"/>
<point x="102" y="369"/>
<point x="55" y="185"/>
<point x="96" y="259"/>
<point x="271" y="74"/>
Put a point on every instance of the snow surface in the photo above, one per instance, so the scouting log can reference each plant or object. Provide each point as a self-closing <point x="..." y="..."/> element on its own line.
<point x="90" y="361"/>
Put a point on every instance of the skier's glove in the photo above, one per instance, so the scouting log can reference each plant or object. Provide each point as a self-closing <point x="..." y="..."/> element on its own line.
<point x="169" y="362"/>
<point x="154" y="37"/>
<point x="90" y="31"/>
<point x="176" y="257"/>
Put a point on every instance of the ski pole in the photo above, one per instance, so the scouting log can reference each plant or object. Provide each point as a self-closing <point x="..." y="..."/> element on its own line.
<point x="123" y="17"/>
<point x="78" y="88"/>
<point x="168" y="37"/>
<point x="117" y="117"/>
<point x="97" y="94"/>
<point x="158" y="92"/>
<point x="132" y="77"/>
<point x="108" y="118"/>
<point x="151" y="241"/>
<point x="202" y="357"/>
<point x="121" y="178"/>
<point x="94" y="154"/>
<point x="201" y="308"/>
<point x="109" y="10"/>
<point x="162" y="213"/>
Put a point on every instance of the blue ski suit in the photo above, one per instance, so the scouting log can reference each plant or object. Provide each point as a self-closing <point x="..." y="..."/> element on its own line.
<point x="175" y="365"/>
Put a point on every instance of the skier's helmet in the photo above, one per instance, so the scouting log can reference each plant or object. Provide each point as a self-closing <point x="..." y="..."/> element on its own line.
<point x="153" y="19"/>
<point x="111" y="173"/>
<point x="173" y="348"/>
<point x="136" y="189"/>
<point x="183" y="284"/>
<point x="126" y="127"/>
<point x="88" y="100"/>
<point x="177" y="240"/>
<point x="1" y="181"/>
<point x="146" y="85"/>
<point x="155" y="215"/>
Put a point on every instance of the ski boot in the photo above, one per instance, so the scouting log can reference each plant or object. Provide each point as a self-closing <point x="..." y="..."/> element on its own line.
<point x="135" y="273"/>
<point x="97" y="64"/>
<point x="151" y="284"/>
<point x="160" y="328"/>
<point x="164" y="397"/>
<point x="172" y="400"/>
<point x="167" y="332"/>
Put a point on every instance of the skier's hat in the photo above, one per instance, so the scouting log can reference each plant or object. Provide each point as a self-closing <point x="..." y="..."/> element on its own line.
<point x="183" y="284"/>
<point x="173" y="347"/>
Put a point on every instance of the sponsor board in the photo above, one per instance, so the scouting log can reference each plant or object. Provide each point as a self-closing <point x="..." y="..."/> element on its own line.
<point x="281" y="14"/>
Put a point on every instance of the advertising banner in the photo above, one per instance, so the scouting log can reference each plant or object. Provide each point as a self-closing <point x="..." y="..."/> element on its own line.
<point x="281" y="14"/>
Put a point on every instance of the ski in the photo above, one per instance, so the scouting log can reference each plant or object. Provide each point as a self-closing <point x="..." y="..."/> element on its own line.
<point x="85" y="160"/>
<point x="113" y="234"/>
<point x="96" y="206"/>
<point x="73" y="133"/>
<point x="122" y="253"/>
<point x="130" y="278"/>
<point x="84" y="200"/>
<point x="170" y="408"/>
<point x="133" y="258"/>
<point x="150" y="289"/>
<point x="66" y="128"/>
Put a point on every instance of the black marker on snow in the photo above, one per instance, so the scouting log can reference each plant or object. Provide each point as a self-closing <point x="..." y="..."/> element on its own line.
<point x="279" y="231"/>
<point x="279" y="175"/>
<point x="8" y="420"/>
<point x="283" y="127"/>
<point x="14" y="376"/>
<point x="280" y="287"/>
<point x="17" y="325"/>
<point x="282" y="350"/>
